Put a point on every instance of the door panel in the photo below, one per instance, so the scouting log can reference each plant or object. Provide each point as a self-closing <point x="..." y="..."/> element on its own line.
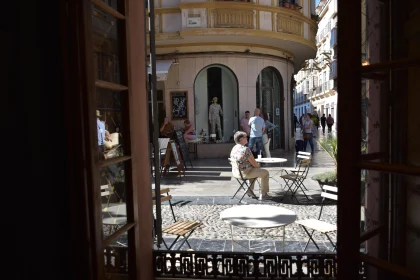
<point x="268" y="100"/>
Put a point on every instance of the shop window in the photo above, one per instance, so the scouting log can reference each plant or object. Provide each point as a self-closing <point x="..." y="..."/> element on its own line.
<point x="216" y="105"/>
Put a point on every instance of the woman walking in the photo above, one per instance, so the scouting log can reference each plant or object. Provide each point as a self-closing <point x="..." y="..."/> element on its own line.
<point x="307" y="132"/>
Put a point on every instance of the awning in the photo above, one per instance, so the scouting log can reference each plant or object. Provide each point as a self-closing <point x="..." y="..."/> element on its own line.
<point x="162" y="68"/>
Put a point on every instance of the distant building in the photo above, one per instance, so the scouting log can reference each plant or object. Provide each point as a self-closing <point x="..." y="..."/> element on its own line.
<point x="315" y="83"/>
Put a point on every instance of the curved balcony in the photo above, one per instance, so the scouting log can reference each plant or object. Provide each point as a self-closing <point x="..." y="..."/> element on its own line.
<point x="236" y="27"/>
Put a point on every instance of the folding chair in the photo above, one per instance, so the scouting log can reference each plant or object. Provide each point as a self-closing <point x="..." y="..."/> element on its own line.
<point x="294" y="178"/>
<point x="318" y="225"/>
<point x="301" y="155"/>
<point x="108" y="190"/>
<point x="243" y="182"/>
<point x="179" y="228"/>
<point x="163" y="145"/>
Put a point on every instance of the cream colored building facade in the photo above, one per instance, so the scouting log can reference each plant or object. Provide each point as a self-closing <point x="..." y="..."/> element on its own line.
<point x="244" y="53"/>
<point x="315" y="88"/>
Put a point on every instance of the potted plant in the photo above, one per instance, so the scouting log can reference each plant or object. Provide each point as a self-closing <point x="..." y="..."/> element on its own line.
<point x="329" y="144"/>
<point x="315" y="17"/>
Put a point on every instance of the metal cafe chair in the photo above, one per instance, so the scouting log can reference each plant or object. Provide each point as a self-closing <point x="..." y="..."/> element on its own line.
<point x="294" y="179"/>
<point x="317" y="224"/>
<point x="179" y="228"/>
<point x="243" y="184"/>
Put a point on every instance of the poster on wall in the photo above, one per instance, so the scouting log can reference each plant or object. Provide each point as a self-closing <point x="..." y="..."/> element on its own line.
<point x="179" y="105"/>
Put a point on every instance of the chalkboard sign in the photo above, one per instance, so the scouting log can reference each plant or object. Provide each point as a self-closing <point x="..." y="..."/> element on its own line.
<point x="173" y="150"/>
<point x="183" y="147"/>
<point x="179" y="105"/>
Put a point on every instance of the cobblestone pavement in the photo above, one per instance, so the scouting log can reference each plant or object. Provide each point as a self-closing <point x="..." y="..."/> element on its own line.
<point x="214" y="228"/>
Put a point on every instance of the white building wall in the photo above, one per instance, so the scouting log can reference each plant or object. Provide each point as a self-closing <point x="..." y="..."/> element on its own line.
<point x="171" y="23"/>
<point x="266" y="21"/>
<point x="245" y="67"/>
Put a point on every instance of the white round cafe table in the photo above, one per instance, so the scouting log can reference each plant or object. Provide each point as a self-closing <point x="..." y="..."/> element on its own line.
<point x="272" y="160"/>
<point x="258" y="217"/>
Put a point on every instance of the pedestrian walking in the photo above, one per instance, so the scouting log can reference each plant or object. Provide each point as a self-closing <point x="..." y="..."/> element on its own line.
<point x="308" y="133"/>
<point x="301" y="120"/>
<point x="330" y="122"/>
<point x="295" y="121"/>
<point x="257" y="125"/>
<point x="323" y="123"/>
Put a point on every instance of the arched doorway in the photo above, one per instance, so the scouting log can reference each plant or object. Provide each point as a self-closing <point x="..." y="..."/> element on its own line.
<point x="216" y="81"/>
<point x="270" y="99"/>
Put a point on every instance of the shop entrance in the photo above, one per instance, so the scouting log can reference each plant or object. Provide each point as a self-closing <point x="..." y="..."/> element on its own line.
<point x="270" y="99"/>
<point x="216" y="81"/>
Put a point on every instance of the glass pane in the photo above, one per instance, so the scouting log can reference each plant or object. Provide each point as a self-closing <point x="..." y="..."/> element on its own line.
<point x="267" y="97"/>
<point x="374" y="125"/>
<point x="112" y="3"/>
<point x="116" y="259"/>
<point x="113" y="194"/>
<point x="374" y="32"/>
<point x="267" y="78"/>
<point x="109" y="123"/>
<point x="105" y="46"/>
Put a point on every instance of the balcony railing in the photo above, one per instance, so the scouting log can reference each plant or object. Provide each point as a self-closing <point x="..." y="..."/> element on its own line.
<point x="233" y="18"/>
<point x="323" y="33"/>
<point x="319" y="89"/>
<point x="325" y="86"/>
<point x="232" y="265"/>
<point x="287" y="25"/>
<point x="242" y="15"/>
<point x="240" y="265"/>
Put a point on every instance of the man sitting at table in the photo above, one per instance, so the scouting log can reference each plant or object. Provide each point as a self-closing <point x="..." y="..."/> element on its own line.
<point x="245" y="162"/>
<point x="167" y="129"/>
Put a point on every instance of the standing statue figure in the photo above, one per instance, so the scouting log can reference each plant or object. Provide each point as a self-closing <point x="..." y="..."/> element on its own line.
<point x="215" y="111"/>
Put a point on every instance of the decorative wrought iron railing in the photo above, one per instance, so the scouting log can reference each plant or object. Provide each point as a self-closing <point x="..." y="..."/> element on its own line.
<point x="245" y="265"/>
<point x="232" y="265"/>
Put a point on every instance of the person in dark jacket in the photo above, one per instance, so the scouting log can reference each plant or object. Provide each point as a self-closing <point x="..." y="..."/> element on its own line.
<point x="295" y="121"/>
<point x="323" y="123"/>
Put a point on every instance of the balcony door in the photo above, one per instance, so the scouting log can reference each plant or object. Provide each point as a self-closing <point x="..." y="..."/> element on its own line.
<point x="116" y="181"/>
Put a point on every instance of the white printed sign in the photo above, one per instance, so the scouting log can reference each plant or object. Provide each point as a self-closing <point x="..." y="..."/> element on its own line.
<point x="193" y="22"/>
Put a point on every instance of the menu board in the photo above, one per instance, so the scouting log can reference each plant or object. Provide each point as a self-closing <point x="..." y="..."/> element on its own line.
<point x="179" y="105"/>
<point x="174" y="152"/>
<point x="183" y="147"/>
